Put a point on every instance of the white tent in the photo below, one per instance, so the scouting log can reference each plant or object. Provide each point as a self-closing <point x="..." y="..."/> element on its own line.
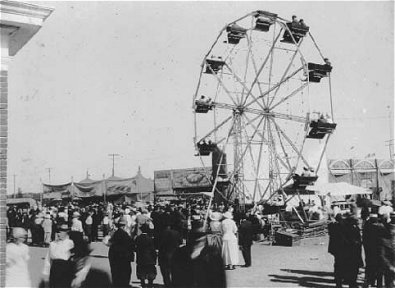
<point x="338" y="189"/>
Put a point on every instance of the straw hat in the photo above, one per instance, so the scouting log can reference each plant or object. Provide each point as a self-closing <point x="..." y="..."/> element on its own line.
<point x="228" y="215"/>
<point x="19" y="232"/>
<point x="216" y="216"/>
<point x="76" y="214"/>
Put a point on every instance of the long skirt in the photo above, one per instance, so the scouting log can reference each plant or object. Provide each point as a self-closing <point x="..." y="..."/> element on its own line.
<point x="230" y="251"/>
<point x="61" y="274"/>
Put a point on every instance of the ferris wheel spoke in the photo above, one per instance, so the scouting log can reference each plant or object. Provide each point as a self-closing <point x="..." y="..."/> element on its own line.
<point x="251" y="55"/>
<point x="290" y="142"/>
<point x="275" y="86"/>
<point x="283" y="148"/>
<point x="270" y="70"/>
<point x="290" y="117"/>
<point x="322" y="153"/>
<point x="264" y="140"/>
<point x="248" y="38"/>
<point x="266" y="189"/>
<point x="256" y="184"/>
<point x="256" y="169"/>
<point x="284" y="116"/>
<point x="216" y="128"/>
<point x="262" y="66"/>
<point x="295" y="92"/>
<point x="223" y="85"/>
<point x="242" y="155"/>
<point x="253" y="120"/>
<point x="224" y="106"/>
<point x="287" y="69"/>
<point x="243" y="84"/>
<point x="275" y="154"/>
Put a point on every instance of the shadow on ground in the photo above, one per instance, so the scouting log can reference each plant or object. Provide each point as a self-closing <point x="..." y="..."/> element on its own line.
<point x="305" y="278"/>
<point x="99" y="256"/>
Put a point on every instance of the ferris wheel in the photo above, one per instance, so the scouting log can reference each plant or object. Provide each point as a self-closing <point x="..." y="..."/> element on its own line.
<point x="263" y="98"/>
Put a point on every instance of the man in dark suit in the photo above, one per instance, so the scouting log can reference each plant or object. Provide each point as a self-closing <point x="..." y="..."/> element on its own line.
<point x="120" y="255"/>
<point x="170" y="240"/>
<point x="246" y="234"/>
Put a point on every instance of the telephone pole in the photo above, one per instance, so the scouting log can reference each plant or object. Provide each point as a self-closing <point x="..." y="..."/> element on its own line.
<point x="14" y="186"/>
<point x="113" y="162"/>
<point x="391" y="139"/>
<point x="49" y="175"/>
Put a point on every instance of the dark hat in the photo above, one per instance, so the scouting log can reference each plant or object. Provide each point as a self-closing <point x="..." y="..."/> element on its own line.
<point x="63" y="228"/>
<point x="121" y="221"/>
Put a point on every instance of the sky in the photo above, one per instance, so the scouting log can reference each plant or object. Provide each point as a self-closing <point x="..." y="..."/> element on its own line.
<point x="119" y="77"/>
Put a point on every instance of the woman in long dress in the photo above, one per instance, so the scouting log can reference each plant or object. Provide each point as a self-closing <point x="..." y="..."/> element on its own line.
<point x="17" y="256"/>
<point x="230" y="248"/>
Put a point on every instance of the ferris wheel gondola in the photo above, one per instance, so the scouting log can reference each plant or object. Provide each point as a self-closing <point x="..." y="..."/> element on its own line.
<point x="260" y="88"/>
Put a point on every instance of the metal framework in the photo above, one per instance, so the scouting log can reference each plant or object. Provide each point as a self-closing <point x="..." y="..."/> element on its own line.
<point x="262" y="104"/>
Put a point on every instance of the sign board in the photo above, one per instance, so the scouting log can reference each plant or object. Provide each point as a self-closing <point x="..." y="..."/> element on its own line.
<point x="167" y="180"/>
<point x="191" y="178"/>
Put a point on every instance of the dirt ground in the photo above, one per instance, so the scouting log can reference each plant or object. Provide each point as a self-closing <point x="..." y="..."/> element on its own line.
<point x="307" y="265"/>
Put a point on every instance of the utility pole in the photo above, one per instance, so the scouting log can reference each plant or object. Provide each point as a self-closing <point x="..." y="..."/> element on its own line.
<point x="390" y="144"/>
<point x="113" y="161"/>
<point x="14" y="186"/>
<point x="391" y="139"/>
<point x="49" y="175"/>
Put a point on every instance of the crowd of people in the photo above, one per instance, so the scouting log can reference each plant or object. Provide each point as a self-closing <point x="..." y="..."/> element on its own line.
<point x="179" y="237"/>
<point x="192" y="245"/>
<point x="375" y="235"/>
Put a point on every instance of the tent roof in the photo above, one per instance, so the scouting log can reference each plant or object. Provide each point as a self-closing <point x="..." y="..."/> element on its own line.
<point x="115" y="178"/>
<point x="87" y="180"/>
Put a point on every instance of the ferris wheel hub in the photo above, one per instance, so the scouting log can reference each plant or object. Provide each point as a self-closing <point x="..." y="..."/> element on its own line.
<point x="239" y="110"/>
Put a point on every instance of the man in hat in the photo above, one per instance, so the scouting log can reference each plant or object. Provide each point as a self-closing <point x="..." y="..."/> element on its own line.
<point x="170" y="240"/>
<point x="88" y="225"/>
<point x="246" y="234"/>
<point x="352" y="254"/>
<point x="145" y="257"/>
<point x="141" y="219"/>
<point x="47" y="226"/>
<point x="76" y="224"/>
<point x="120" y="255"/>
<point x="371" y="234"/>
<point x="306" y="172"/>
<point x="106" y="224"/>
<point x="58" y="268"/>
<point x="387" y="252"/>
